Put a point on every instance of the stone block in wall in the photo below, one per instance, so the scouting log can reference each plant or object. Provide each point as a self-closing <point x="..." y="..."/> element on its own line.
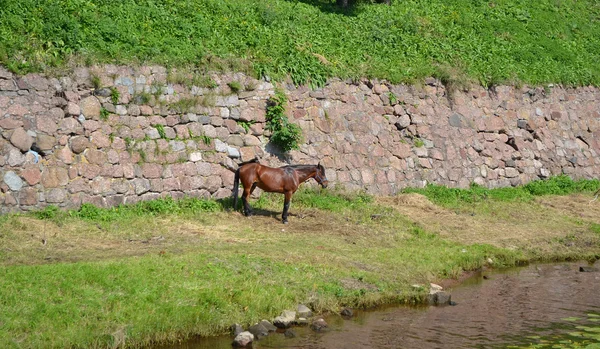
<point x="171" y="184"/>
<point x="182" y="131"/>
<point x="72" y="109"/>
<point x="56" y="195"/>
<point x="90" y="107"/>
<point x="65" y="155"/>
<point x="70" y="126"/>
<point x="79" y="144"/>
<point x="8" y="85"/>
<point x="54" y="177"/>
<point x="9" y="200"/>
<point x="195" y="156"/>
<point x="212" y="183"/>
<point x="99" y="139"/>
<point x="188" y="183"/>
<point x="222" y="193"/>
<point x="45" y="142"/>
<point x="227" y="101"/>
<point x="13" y="181"/>
<point x="31" y="174"/>
<point x="101" y="186"/>
<point x="28" y="197"/>
<point x="152" y="170"/>
<point x="89" y="171"/>
<point x="91" y="125"/>
<point x="94" y="156"/>
<point x="15" y="157"/>
<point x="21" y="139"/>
<point x="10" y="123"/>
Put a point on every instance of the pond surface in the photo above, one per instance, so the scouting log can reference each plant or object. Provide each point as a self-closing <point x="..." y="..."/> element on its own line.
<point x="517" y="307"/>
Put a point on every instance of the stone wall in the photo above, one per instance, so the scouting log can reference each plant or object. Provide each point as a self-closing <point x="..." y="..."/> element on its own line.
<point x="110" y="135"/>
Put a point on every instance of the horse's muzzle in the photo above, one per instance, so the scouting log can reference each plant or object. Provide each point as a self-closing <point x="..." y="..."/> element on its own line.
<point x="324" y="184"/>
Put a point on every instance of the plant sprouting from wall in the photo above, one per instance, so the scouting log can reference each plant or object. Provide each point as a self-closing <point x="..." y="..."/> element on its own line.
<point x="246" y="124"/>
<point x="114" y="95"/>
<point x="235" y="86"/>
<point x="104" y="113"/>
<point x="284" y="134"/>
<point x="161" y="131"/>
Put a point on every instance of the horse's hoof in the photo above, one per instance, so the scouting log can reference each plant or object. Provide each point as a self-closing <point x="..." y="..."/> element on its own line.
<point x="284" y="222"/>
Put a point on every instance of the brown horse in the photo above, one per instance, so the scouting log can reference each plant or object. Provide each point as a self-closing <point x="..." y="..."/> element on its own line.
<point x="285" y="180"/>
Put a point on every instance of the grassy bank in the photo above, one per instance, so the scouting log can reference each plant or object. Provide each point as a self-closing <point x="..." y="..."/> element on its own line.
<point x="489" y="42"/>
<point x="165" y="270"/>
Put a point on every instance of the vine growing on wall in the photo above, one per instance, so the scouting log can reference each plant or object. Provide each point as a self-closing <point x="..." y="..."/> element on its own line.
<point x="284" y="134"/>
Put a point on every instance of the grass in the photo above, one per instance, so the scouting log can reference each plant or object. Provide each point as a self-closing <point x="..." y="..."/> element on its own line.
<point x="457" y="41"/>
<point x="558" y="185"/>
<point x="164" y="270"/>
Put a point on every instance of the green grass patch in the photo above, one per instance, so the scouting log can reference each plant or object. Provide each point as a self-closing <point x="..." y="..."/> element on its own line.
<point x="558" y="185"/>
<point x="458" y="41"/>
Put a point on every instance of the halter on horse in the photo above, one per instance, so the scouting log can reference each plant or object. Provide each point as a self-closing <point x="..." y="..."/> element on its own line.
<point x="285" y="180"/>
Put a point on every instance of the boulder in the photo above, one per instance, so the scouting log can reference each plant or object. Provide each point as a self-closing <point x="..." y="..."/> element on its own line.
<point x="347" y="312"/>
<point x="437" y="296"/>
<point x="319" y="325"/>
<point x="269" y="326"/>
<point x="304" y="311"/>
<point x="285" y="320"/>
<point x="243" y="339"/>
<point x="258" y="330"/>
<point x="289" y="333"/>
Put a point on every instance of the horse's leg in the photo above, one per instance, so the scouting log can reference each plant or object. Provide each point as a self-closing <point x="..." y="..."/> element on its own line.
<point x="286" y="206"/>
<point x="245" y="196"/>
<point x="247" y="209"/>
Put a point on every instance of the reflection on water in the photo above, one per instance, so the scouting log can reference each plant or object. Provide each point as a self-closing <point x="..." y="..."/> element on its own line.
<point x="516" y="307"/>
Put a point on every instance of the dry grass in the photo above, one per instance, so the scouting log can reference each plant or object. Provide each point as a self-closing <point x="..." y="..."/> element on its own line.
<point x="540" y="225"/>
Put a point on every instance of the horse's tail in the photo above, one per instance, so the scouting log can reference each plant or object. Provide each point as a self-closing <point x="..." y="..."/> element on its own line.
<point x="236" y="186"/>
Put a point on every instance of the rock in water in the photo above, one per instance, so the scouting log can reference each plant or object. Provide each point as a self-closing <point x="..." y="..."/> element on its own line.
<point x="289" y="333"/>
<point x="243" y="339"/>
<point x="269" y="326"/>
<point x="285" y="320"/>
<point x="347" y="312"/>
<point x="319" y="325"/>
<point x="258" y="330"/>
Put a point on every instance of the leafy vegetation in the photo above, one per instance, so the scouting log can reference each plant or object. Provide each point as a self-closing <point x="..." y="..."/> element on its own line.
<point x="161" y="131"/>
<point x="114" y="95"/>
<point x="284" y="134"/>
<point x="489" y="42"/>
<point x="104" y="113"/>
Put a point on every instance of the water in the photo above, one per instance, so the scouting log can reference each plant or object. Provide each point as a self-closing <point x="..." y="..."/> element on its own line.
<point x="493" y="309"/>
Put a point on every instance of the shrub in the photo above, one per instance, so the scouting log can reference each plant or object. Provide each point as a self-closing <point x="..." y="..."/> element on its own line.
<point x="284" y="134"/>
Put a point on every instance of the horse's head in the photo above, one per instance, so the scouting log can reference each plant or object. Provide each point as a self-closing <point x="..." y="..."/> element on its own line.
<point x="320" y="176"/>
